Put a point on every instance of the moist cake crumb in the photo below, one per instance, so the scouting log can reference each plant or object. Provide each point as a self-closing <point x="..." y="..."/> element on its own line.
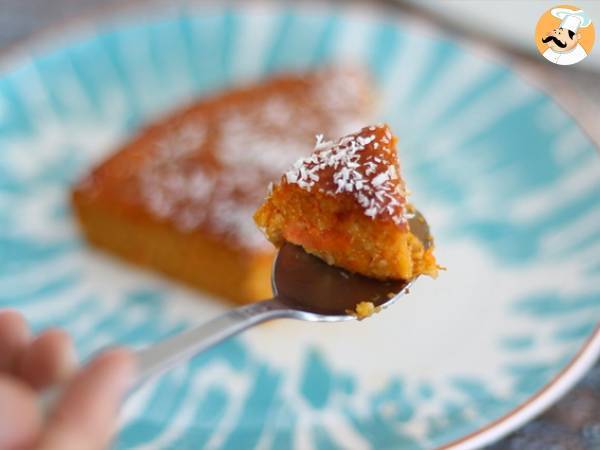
<point x="363" y="310"/>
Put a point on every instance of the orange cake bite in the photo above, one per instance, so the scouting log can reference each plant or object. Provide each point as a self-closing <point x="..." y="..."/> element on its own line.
<point x="179" y="196"/>
<point x="346" y="203"/>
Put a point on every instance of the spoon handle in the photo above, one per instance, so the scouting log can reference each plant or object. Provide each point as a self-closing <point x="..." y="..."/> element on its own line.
<point x="158" y="358"/>
<point x="165" y="355"/>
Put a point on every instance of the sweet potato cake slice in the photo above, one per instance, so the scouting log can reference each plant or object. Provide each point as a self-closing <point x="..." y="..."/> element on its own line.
<point x="346" y="203"/>
<point x="179" y="197"/>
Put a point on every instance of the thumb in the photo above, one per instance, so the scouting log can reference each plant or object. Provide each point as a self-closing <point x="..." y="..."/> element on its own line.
<point x="86" y="414"/>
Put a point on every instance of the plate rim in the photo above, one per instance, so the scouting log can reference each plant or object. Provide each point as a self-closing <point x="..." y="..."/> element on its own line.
<point x="63" y="32"/>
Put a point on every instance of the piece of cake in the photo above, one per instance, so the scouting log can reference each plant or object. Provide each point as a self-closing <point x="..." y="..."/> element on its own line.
<point x="179" y="196"/>
<point x="346" y="203"/>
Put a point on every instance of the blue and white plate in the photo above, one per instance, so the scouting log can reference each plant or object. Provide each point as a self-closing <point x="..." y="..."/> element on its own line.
<point x="508" y="181"/>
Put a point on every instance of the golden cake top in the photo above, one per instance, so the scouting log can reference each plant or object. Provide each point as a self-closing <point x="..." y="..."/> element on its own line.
<point x="363" y="165"/>
<point x="206" y="167"/>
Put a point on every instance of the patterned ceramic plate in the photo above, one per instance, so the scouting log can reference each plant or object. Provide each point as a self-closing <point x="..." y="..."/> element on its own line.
<point x="508" y="181"/>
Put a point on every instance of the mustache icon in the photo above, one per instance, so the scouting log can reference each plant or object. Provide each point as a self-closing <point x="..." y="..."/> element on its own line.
<point x="555" y="40"/>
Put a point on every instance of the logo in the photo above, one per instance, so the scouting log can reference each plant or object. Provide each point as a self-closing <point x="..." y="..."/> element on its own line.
<point x="565" y="35"/>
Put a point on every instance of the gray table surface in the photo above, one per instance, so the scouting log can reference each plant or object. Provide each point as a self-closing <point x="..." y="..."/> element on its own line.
<point x="574" y="422"/>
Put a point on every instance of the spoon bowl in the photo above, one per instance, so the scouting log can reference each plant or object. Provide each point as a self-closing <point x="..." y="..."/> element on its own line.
<point x="307" y="284"/>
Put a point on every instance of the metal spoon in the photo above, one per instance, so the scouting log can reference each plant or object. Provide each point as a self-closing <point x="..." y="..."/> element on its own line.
<point x="305" y="288"/>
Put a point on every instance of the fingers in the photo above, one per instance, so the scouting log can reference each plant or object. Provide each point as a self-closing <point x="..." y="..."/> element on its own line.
<point x="49" y="359"/>
<point x="20" y="420"/>
<point x="14" y="337"/>
<point x="88" y="410"/>
<point x="86" y="413"/>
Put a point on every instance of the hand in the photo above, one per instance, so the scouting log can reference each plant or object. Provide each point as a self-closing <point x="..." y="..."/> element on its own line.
<point x="86" y="413"/>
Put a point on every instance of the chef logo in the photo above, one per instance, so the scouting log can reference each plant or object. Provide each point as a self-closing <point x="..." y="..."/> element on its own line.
<point x="565" y="35"/>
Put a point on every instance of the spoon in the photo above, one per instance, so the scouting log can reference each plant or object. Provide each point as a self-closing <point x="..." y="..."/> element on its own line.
<point x="305" y="288"/>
